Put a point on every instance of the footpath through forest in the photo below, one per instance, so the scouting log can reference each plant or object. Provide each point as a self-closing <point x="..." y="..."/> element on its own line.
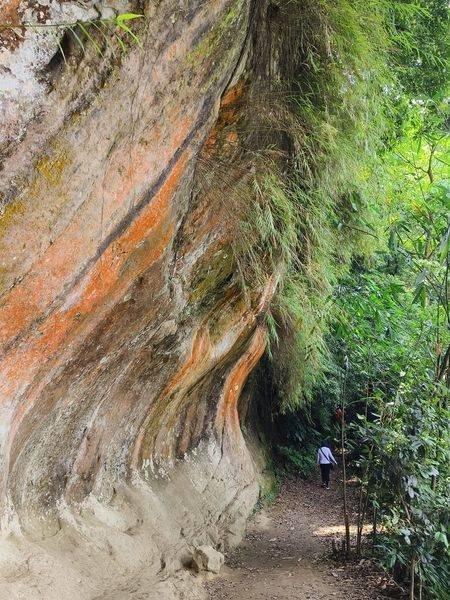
<point x="286" y="553"/>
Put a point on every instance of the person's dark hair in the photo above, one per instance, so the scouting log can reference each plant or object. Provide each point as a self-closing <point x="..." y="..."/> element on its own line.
<point x="325" y="444"/>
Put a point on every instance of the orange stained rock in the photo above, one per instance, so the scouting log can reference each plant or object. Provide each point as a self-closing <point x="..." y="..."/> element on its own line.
<point x="233" y="94"/>
<point x="97" y="292"/>
<point x="232" y="137"/>
<point x="199" y="355"/>
<point x="228" y="114"/>
<point x="31" y="297"/>
<point x="9" y="12"/>
<point x="227" y="413"/>
<point x="118" y="183"/>
<point x="192" y="369"/>
<point x="197" y="360"/>
<point x="231" y="105"/>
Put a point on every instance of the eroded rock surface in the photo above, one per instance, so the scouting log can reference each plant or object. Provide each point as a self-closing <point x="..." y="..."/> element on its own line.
<point x="125" y="334"/>
<point x="206" y="558"/>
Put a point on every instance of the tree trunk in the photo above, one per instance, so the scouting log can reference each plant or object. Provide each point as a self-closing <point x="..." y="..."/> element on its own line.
<point x="344" y="487"/>
<point x="361" y="518"/>
<point x="412" y="579"/>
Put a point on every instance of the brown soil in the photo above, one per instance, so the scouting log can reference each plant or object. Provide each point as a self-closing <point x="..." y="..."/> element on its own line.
<point x="286" y="553"/>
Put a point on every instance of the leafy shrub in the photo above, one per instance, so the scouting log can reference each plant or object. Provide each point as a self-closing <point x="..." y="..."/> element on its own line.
<point x="301" y="462"/>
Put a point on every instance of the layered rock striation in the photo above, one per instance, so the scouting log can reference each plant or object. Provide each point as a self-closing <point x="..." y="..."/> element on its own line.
<point x="126" y="333"/>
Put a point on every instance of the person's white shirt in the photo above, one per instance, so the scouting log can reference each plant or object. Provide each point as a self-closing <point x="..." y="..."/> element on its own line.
<point x="325" y="456"/>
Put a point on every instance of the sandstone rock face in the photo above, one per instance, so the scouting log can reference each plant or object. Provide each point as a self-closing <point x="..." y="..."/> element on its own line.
<point x="207" y="558"/>
<point x="125" y="335"/>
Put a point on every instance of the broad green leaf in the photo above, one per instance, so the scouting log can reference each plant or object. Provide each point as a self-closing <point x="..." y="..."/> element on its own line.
<point x="127" y="17"/>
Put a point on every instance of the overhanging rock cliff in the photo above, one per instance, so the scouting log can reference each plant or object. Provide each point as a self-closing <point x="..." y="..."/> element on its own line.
<point x="126" y="334"/>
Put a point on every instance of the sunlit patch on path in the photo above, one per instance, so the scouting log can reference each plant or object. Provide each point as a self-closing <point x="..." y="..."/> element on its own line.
<point x="285" y="555"/>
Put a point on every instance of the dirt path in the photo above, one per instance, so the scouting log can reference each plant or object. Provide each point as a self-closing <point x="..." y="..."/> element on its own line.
<point x="283" y="556"/>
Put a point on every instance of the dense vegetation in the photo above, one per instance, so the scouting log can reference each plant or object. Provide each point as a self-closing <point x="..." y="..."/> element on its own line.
<point x="362" y="234"/>
<point x="390" y="347"/>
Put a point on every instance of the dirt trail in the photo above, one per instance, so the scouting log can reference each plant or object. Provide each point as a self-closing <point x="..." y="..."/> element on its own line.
<point x="283" y="556"/>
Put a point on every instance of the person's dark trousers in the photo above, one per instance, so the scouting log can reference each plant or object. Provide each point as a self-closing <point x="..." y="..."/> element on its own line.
<point x="325" y="471"/>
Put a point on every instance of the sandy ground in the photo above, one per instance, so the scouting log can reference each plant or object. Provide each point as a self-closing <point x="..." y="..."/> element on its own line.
<point x="285" y="555"/>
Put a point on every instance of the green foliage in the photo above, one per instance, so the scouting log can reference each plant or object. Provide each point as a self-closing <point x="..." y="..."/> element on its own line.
<point x="300" y="354"/>
<point x="88" y="32"/>
<point x="362" y="311"/>
<point x="419" y="29"/>
<point x="268" y="493"/>
<point x="98" y="33"/>
<point x="268" y="235"/>
<point x="404" y="457"/>
<point x="301" y="462"/>
<point x="306" y="227"/>
<point x="390" y="343"/>
<point x="345" y="103"/>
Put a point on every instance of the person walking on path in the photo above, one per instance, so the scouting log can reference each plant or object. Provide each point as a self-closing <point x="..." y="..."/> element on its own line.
<point x="325" y="460"/>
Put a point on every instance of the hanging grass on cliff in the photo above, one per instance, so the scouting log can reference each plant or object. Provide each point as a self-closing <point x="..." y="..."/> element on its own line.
<point x="345" y="68"/>
<point x="313" y="206"/>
